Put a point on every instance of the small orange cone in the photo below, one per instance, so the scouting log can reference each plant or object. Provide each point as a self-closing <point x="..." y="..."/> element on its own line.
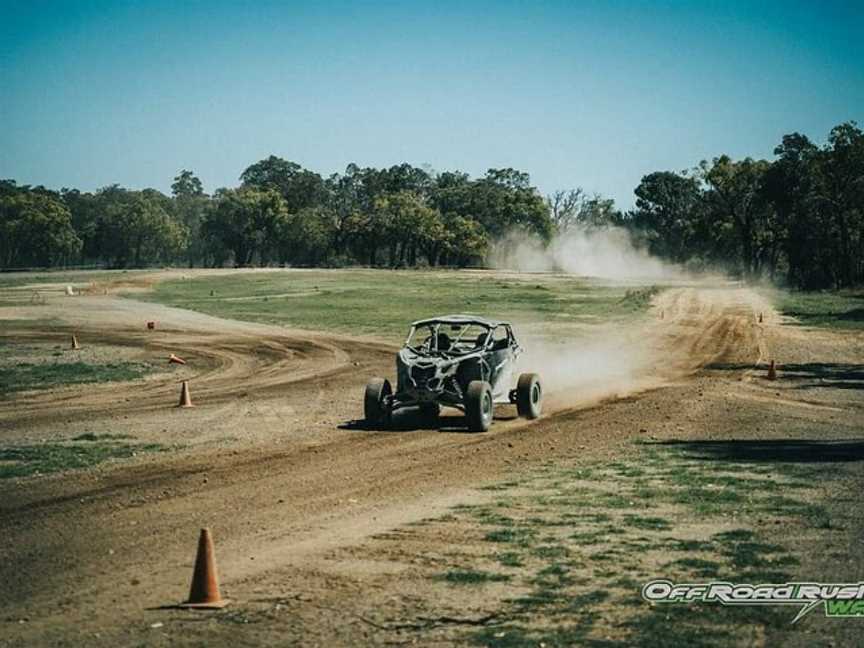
<point x="173" y="358"/>
<point x="151" y="326"/>
<point x="204" y="592"/>
<point x="185" y="399"/>
<point x="75" y="345"/>
<point x="772" y="371"/>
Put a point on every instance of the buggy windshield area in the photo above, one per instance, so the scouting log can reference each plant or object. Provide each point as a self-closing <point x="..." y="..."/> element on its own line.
<point x="438" y="338"/>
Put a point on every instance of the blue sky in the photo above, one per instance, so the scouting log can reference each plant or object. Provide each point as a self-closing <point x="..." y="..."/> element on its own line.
<point x="591" y="94"/>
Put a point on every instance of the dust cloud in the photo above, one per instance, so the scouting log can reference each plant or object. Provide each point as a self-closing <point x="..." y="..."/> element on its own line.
<point x="608" y="252"/>
<point x="584" y="370"/>
<point x="580" y="367"/>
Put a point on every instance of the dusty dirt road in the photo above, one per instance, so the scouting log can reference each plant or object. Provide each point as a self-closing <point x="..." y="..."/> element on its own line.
<point x="274" y="462"/>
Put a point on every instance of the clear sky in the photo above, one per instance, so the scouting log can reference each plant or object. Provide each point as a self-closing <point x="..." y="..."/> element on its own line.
<point x="591" y="94"/>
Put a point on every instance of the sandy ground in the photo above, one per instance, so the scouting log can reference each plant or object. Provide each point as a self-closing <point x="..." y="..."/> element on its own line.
<point x="275" y="462"/>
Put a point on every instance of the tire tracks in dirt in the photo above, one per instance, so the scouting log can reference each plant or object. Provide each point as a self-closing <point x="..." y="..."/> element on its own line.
<point x="286" y="500"/>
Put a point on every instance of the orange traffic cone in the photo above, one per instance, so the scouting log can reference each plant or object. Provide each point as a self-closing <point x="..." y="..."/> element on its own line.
<point x="75" y="345"/>
<point x="185" y="399"/>
<point x="204" y="592"/>
<point x="772" y="371"/>
<point x="173" y="358"/>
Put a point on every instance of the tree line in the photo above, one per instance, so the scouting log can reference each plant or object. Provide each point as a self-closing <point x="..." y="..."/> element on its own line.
<point x="280" y="213"/>
<point x="798" y="217"/>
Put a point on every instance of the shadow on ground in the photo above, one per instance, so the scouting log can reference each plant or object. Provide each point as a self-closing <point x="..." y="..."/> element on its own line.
<point x="835" y="375"/>
<point x="411" y="419"/>
<point x="772" y="450"/>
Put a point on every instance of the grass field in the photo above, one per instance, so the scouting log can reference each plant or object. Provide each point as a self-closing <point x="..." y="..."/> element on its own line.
<point x="383" y="303"/>
<point x="79" y="277"/>
<point x="568" y="548"/>
<point x="81" y="452"/>
<point x="360" y="300"/>
<point x="842" y="309"/>
<point x="23" y="376"/>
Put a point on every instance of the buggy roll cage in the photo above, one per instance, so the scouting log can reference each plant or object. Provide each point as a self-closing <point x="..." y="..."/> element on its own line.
<point x="460" y="324"/>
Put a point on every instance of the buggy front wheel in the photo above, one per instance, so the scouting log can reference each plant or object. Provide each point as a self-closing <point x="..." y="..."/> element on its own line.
<point x="376" y="405"/>
<point x="529" y="396"/>
<point x="478" y="405"/>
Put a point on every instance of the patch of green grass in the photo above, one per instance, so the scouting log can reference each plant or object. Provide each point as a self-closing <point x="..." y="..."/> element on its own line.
<point x="501" y="486"/>
<point x="64" y="277"/>
<point x="555" y="569"/>
<point x="487" y="516"/>
<point x="789" y="506"/>
<point x="735" y="535"/>
<point x="615" y="501"/>
<point x="550" y="551"/>
<point x="697" y="566"/>
<point x="518" y="536"/>
<point x="510" y="559"/>
<point x="544" y="522"/>
<point x="472" y="577"/>
<point x="588" y="518"/>
<point x="836" y="309"/>
<point x="589" y="537"/>
<point x="586" y="599"/>
<point x="25" y="376"/>
<point x="651" y="523"/>
<point x="627" y="583"/>
<point x="89" y="436"/>
<point x="627" y="470"/>
<point x="707" y="499"/>
<point x="573" y="633"/>
<point x="44" y="458"/>
<point x="674" y="626"/>
<point x="757" y="554"/>
<point x="675" y="544"/>
<point x="376" y="301"/>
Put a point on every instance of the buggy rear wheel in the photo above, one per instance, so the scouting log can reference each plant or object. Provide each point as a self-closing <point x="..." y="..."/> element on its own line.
<point x="478" y="405"/>
<point x="529" y="396"/>
<point x="376" y="405"/>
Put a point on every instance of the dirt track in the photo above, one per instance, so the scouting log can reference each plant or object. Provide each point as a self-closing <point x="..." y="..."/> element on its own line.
<point x="274" y="462"/>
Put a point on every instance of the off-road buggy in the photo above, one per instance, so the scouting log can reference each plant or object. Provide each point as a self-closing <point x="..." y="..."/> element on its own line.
<point x="462" y="361"/>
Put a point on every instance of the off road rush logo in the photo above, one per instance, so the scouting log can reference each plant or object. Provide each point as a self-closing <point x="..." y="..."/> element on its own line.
<point x="838" y="599"/>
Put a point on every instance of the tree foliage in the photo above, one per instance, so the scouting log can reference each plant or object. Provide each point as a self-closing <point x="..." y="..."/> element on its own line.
<point x="799" y="216"/>
<point x="35" y="228"/>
